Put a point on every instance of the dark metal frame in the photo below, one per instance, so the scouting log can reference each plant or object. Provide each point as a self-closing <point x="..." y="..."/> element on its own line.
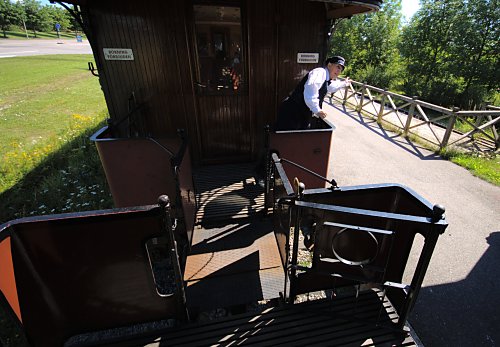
<point x="417" y="216"/>
<point x="176" y="160"/>
<point x="35" y="281"/>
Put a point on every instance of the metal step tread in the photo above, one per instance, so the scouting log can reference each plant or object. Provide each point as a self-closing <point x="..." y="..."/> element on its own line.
<point x="352" y="321"/>
<point x="226" y="192"/>
<point x="232" y="264"/>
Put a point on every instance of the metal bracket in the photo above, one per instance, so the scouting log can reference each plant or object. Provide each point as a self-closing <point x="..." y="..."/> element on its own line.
<point x="92" y="69"/>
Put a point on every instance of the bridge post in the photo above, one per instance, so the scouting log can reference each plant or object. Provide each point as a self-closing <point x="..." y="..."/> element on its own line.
<point x="346" y="91"/>
<point x="382" y="107"/>
<point x="410" y="116"/>
<point x="449" y="128"/>
<point x="359" y="108"/>
<point x="493" y="127"/>
<point x="495" y="134"/>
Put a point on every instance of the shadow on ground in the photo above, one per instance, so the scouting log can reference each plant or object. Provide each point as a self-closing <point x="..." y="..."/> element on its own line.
<point x="463" y="313"/>
<point x="397" y="139"/>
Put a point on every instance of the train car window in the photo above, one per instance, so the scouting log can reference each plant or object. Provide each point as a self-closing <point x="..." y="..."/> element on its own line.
<point x="219" y="47"/>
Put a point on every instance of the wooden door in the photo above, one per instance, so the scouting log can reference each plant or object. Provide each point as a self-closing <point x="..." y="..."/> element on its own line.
<point x="221" y="85"/>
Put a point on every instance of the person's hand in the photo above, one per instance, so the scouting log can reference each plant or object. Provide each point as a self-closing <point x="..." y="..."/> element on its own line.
<point x="321" y="114"/>
<point x="347" y="81"/>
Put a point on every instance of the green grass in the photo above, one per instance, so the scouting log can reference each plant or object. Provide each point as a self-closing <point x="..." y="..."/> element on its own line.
<point x="19" y="34"/>
<point x="49" y="106"/>
<point x="484" y="167"/>
<point x="39" y="95"/>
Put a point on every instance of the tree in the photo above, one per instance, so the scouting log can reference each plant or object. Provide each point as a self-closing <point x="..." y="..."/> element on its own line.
<point x="8" y="15"/>
<point x="425" y="47"/>
<point x="59" y="15"/>
<point x="37" y="17"/>
<point x="451" y="52"/>
<point x="74" y="24"/>
<point x="369" y="43"/>
<point x="478" y="35"/>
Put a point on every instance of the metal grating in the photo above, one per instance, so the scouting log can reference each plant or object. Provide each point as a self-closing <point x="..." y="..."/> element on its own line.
<point x="227" y="192"/>
<point x="219" y="247"/>
<point x="315" y="323"/>
<point x="233" y="264"/>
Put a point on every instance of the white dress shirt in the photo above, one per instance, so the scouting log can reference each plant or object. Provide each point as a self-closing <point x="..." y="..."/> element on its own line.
<point x="313" y="84"/>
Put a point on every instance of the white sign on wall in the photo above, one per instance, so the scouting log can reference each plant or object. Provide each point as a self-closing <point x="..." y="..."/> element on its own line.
<point x="118" y="54"/>
<point x="307" y="58"/>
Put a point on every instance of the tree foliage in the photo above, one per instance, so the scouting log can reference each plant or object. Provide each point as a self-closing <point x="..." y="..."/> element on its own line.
<point x="37" y="17"/>
<point x="9" y="15"/>
<point x="60" y="16"/>
<point x="451" y="50"/>
<point x="370" y="45"/>
<point x="34" y="16"/>
<point x="447" y="54"/>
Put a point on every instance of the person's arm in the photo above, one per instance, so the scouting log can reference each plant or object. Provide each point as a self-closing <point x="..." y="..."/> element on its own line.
<point x="337" y="84"/>
<point x="311" y="89"/>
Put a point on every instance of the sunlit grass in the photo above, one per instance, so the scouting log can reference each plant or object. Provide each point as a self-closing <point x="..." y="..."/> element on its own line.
<point x="19" y="34"/>
<point x="465" y="127"/>
<point x="39" y="94"/>
<point x="49" y="107"/>
<point x="21" y="160"/>
<point x="484" y="167"/>
<point x="63" y="174"/>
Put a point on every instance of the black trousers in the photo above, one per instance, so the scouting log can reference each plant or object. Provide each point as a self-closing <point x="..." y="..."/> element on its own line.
<point x="292" y="116"/>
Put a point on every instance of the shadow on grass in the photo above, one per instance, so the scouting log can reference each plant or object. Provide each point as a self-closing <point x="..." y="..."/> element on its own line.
<point x="61" y="58"/>
<point x="69" y="180"/>
<point x="39" y="35"/>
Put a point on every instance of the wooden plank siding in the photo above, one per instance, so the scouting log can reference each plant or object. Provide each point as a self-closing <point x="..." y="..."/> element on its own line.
<point x="279" y="30"/>
<point x="157" y="73"/>
<point x="263" y="74"/>
<point x="225" y="135"/>
<point x="302" y="27"/>
<point x="163" y="72"/>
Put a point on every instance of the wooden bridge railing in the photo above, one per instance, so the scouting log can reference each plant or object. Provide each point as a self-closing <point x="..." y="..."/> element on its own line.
<point x="438" y="123"/>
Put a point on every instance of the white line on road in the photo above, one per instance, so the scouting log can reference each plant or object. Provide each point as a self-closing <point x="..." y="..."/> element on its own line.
<point x="20" y="52"/>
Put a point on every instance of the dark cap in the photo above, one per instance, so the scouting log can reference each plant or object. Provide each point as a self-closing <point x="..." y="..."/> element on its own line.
<point x="336" y="60"/>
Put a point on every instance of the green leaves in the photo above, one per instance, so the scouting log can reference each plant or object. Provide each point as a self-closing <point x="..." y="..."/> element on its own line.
<point x="451" y="51"/>
<point x="36" y="17"/>
<point x="9" y="15"/>
<point x="448" y="54"/>
<point x="369" y="43"/>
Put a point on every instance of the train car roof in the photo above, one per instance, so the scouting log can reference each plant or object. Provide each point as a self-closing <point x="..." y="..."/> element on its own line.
<point x="334" y="8"/>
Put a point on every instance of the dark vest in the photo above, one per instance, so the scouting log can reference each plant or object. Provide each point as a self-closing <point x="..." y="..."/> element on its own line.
<point x="297" y="95"/>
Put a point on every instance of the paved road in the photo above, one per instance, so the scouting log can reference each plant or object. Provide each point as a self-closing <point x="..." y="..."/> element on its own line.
<point x="16" y="48"/>
<point x="459" y="304"/>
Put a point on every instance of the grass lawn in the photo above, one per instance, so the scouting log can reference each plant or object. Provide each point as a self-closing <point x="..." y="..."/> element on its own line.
<point x="39" y="95"/>
<point x="21" y="35"/>
<point x="49" y="106"/>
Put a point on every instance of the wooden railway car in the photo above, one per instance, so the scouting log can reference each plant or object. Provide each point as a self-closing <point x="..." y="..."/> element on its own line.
<point x="216" y="69"/>
<point x="222" y="257"/>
